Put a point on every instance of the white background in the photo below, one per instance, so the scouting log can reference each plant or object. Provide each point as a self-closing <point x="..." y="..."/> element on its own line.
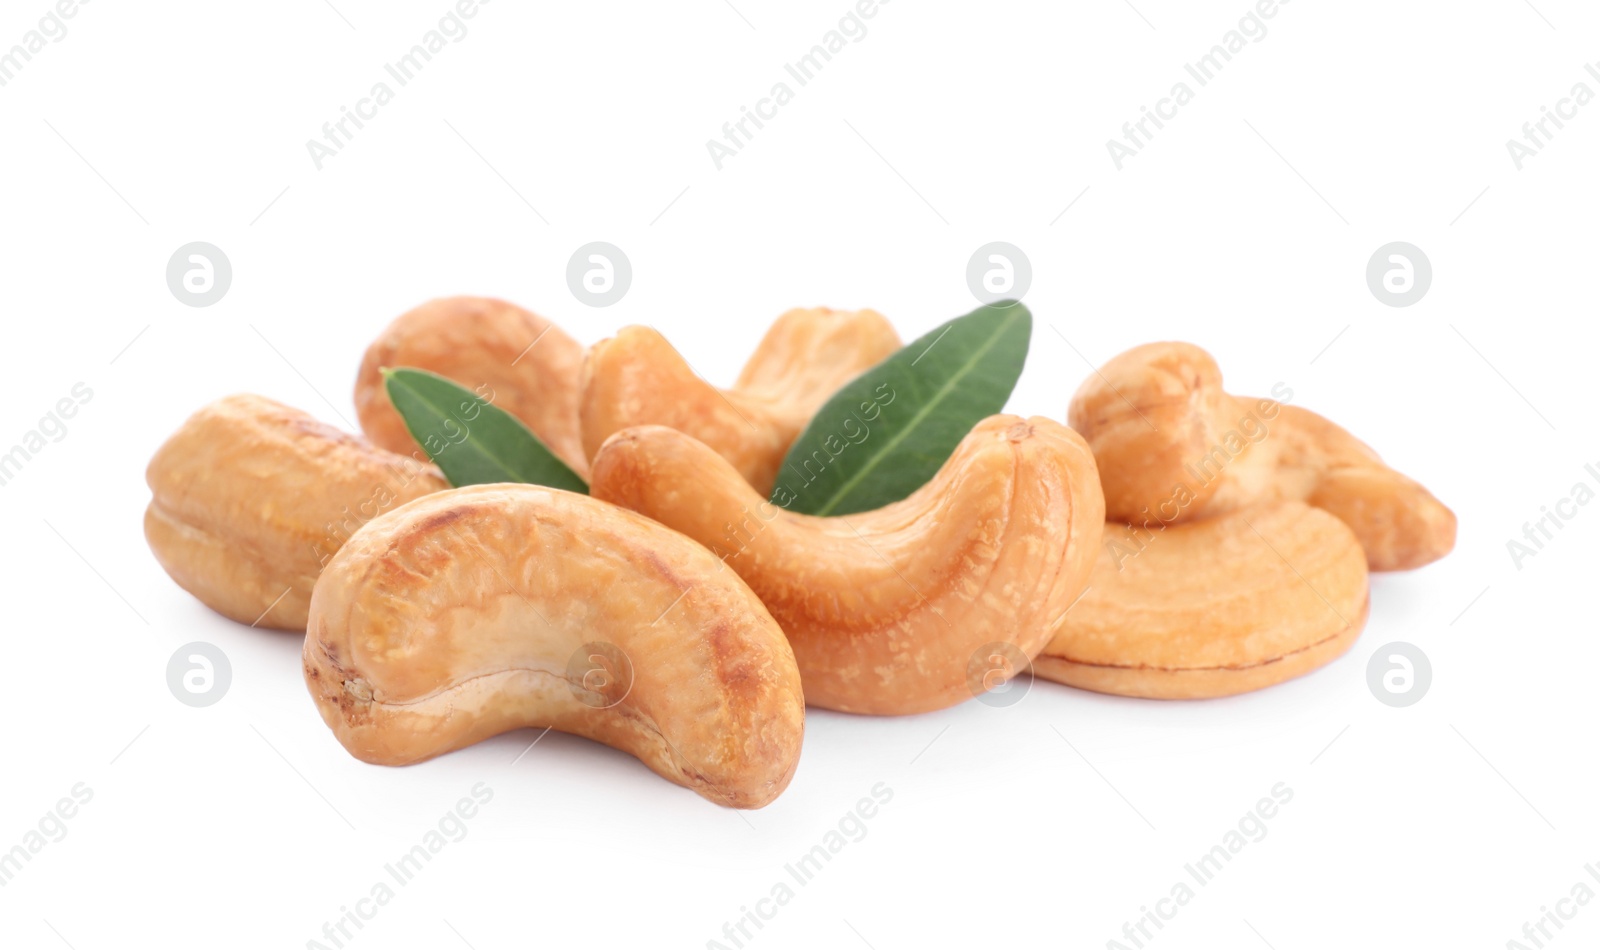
<point x="1051" y="823"/>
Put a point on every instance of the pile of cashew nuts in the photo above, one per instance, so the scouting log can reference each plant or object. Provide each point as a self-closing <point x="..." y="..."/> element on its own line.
<point x="1175" y="541"/>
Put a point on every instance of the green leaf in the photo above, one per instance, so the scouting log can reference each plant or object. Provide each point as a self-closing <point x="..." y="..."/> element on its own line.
<point x="887" y="432"/>
<point x="472" y="441"/>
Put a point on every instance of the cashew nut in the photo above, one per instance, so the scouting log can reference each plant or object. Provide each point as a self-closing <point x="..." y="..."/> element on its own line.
<point x="516" y="359"/>
<point x="250" y="498"/>
<point x="483" y="609"/>
<point x="637" y="378"/>
<point x="1215" y="607"/>
<point x="885" y="609"/>
<point x="1173" y="446"/>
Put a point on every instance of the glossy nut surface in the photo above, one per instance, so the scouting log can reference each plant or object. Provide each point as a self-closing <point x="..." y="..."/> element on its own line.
<point x="638" y="378"/>
<point x="250" y="498"/>
<point x="1215" y="607"/>
<point x="512" y="357"/>
<point x="494" y="607"/>
<point x="1173" y="446"/>
<point x="886" y="609"/>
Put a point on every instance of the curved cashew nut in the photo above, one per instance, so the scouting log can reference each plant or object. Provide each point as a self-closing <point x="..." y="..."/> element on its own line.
<point x="886" y="609"/>
<point x="250" y="498"/>
<point x="516" y="359"/>
<point x="1173" y="446"/>
<point x="637" y="378"/>
<point x="483" y="609"/>
<point x="1400" y="523"/>
<point x="1215" y="607"/>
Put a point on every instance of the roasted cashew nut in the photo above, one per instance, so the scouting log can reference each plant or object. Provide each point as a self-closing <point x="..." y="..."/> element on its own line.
<point x="1215" y="607"/>
<point x="250" y="498"/>
<point x="1173" y="446"/>
<point x="885" y="609"/>
<point x="483" y="609"/>
<point x="637" y="378"/>
<point x="511" y="357"/>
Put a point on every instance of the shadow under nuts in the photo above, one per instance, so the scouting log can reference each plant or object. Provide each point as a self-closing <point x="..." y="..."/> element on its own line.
<point x="511" y="357"/>
<point x="637" y="378"/>
<point x="489" y="608"/>
<point x="249" y="498"/>
<point x="1213" y="608"/>
<point x="886" y="609"/>
<point x="1173" y="446"/>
